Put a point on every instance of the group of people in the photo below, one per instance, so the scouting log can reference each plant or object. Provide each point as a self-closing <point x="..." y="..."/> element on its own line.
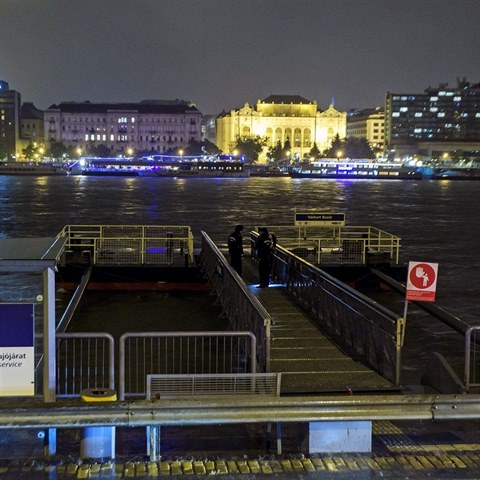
<point x="264" y="249"/>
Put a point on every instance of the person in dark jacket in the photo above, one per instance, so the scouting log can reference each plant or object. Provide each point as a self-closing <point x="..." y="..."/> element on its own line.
<point x="235" y="249"/>
<point x="264" y="249"/>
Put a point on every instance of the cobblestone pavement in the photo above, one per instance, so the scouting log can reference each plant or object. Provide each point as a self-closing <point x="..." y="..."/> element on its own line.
<point x="400" y="451"/>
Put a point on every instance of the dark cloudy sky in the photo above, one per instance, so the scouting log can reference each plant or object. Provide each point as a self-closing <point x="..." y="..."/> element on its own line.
<point x="223" y="53"/>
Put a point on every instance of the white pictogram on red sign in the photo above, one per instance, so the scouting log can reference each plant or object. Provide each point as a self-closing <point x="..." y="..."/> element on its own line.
<point x="422" y="281"/>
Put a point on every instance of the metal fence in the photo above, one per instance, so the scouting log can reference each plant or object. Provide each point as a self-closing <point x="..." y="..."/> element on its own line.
<point x="181" y="386"/>
<point x="241" y="307"/>
<point x="83" y="360"/>
<point x="472" y="358"/>
<point x="370" y="331"/>
<point x="129" y="244"/>
<point x="142" y="354"/>
<point x="346" y="245"/>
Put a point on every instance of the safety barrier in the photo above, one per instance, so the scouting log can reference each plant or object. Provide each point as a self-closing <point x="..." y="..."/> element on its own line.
<point x="83" y="360"/>
<point x="472" y="360"/>
<point x="141" y="354"/>
<point x="369" y="330"/>
<point x="241" y="307"/>
<point x="129" y="244"/>
<point x="347" y="245"/>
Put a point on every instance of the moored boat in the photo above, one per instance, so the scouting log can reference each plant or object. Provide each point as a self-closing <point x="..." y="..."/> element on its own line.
<point x="31" y="168"/>
<point x="352" y="169"/>
<point x="212" y="166"/>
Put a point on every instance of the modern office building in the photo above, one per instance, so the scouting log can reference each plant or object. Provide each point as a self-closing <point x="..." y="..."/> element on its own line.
<point x="10" y="102"/>
<point x="150" y="126"/>
<point x="282" y="118"/>
<point x="368" y="124"/>
<point x="441" y="121"/>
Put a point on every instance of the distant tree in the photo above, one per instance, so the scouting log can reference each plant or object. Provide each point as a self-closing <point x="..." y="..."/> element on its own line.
<point x="350" y="147"/>
<point x="201" y="148"/>
<point x="57" y="149"/>
<point x="29" y="152"/>
<point x="99" y="151"/>
<point x="314" y="151"/>
<point x="251" y="147"/>
<point x="277" y="152"/>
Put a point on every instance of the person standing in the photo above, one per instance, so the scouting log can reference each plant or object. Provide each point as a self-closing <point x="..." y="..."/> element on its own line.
<point x="264" y="249"/>
<point x="235" y="248"/>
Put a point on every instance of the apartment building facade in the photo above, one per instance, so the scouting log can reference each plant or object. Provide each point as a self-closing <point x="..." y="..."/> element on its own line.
<point x="150" y="126"/>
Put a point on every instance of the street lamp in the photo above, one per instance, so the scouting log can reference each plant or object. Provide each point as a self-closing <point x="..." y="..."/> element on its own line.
<point x="339" y="154"/>
<point x="79" y="151"/>
<point x="181" y="152"/>
<point x="129" y="151"/>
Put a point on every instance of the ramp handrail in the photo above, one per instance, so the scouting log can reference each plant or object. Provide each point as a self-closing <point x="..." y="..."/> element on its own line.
<point x="367" y="328"/>
<point x="242" y="308"/>
<point x="468" y="357"/>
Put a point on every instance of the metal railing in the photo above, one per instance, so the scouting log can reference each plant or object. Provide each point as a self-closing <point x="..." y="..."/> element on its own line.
<point x="182" y="386"/>
<point x="370" y="331"/>
<point x="472" y="361"/>
<point x="341" y="245"/>
<point x="83" y="360"/>
<point x="129" y="244"/>
<point x="141" y="354"/>
<point x="241" y="307"/>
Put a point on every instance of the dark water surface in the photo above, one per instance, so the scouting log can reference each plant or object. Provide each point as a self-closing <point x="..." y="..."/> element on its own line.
<point x="438" y="221"/>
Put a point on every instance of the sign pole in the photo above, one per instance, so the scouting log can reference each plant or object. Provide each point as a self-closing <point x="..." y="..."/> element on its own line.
<point x="404" y="326"/>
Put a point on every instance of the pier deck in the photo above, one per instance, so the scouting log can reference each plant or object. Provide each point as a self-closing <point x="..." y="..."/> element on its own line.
<point x="308" y="360"/>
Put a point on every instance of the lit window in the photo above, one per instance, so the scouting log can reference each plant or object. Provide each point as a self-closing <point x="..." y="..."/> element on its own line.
<point x="112" y="138"/>
<point x="104" y="138"/>
<point x="404" y="109"/>
<point x="457" y="99"/>
<point x="133" y="120"/>
<point x="86" y="138"/>
<point x="441" y="94"/>
<point x="433" y="99"/>
<point x="92" y="137"/>
<point x="418" y="114"/>
<point x="418" y="130"/>
<point x="395" y="114"/>
<point x="434" y="109"/>
<point x="441" y="114"/>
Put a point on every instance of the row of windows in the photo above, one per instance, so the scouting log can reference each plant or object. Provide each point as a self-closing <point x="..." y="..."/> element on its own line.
<point x="124" y="138"/>
<point x="123" y="120"/>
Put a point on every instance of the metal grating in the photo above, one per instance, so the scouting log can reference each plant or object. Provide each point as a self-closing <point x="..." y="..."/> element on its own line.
<point x="160" y="386"/>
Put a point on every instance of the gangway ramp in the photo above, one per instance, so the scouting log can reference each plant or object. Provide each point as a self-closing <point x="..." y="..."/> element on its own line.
<point x="308" y="360"/>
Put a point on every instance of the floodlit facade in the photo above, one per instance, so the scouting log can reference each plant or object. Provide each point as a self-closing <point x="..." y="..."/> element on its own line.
<point x="441" y="121"/>
<point x="368" y="124"/>
<point x="282" y="118"/>
<point x="150" y="126"/>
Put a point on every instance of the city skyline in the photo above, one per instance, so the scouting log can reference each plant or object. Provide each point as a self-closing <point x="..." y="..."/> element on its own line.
<point x="221" y="54"/>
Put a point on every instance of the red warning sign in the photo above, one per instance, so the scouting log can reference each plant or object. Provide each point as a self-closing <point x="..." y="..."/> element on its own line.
<point x="422" y="281"/>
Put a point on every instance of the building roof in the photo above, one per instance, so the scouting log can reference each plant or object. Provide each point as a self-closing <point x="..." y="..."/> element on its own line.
<point x="145" y="106"/>
<point x="285" y="99"/>
<point x="30" y="111"/>
<point x="30" y="255"/>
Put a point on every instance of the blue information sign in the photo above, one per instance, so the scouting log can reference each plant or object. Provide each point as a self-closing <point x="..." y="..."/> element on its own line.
<point x="17" y="350"/>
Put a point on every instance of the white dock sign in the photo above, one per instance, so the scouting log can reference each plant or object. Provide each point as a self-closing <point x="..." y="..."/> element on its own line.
<point x="319" y="219"/>
<point x="421" y="281"/>
<point x="17" y="374"/>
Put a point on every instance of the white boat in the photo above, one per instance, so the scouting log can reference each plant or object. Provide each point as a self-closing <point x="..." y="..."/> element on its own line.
<point x="358" y="168"/>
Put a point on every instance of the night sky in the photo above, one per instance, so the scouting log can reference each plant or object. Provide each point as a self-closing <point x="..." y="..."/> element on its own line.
<point x="223" y="53"/>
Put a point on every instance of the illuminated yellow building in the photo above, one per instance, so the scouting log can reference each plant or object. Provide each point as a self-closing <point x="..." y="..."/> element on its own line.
<point x="280" y="118"/>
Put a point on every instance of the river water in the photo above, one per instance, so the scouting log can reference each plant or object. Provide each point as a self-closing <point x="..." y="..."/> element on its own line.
<point x="438" y="221"/>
